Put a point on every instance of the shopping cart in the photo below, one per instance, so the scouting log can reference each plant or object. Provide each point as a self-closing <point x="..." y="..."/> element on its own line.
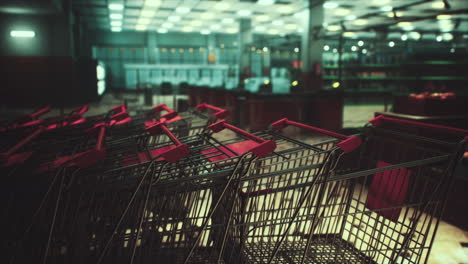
<point x="380" y="204"/>
<point x="144" y="188"/>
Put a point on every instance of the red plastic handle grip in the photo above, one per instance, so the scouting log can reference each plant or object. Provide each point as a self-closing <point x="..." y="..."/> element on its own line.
<point x="264" y="147"/>
<point x="347" y="145"/>
<point x="39" y="112"/>
<point x="174" y="154"/>
<point x="100" y="138"/>
<point x="119" y="108"/>
<point x="379" y="120"/>
<point x="81" y="110"/>
<point x="120" y="116"/>
<point x="170" y="112"/>
<point x="24" y="141"/>
<point x="219" y="113"/>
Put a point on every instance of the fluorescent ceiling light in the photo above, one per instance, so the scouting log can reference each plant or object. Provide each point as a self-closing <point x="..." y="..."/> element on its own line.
<point x="147" y="13"/>
<point x="360" y="22"/>
<point x="446" y="27"/>
<point x="415" y="35"/>
<point x="438" y="5"/>
<point x="140" y="27"/>
<point x="115" y="16"/>
<point x="404" y="24"/>
<point x="444" y="17"/>
<point x="265" y="2"/>
<point x="205" y="32"/>
<point x="386" y="8"/>
<point x="116" y="23"/>
<point x="222" y="6"/>
<point x="351" y="17"/>
<point x="447" y="36"/>
<point x="227" y="20"/>
<point x="215" y="27"/>
<point x="144" y="21"/>
<point x="285" y="9"/>
<point x="207" y="15"/>
<point x="116" y="6"/>
<point x="162" y="30"/>
<point x="244" y="13"/>
<point x="262" y="18"/>
<point x="278" y="22"/>
<point x="290" y="26"/>
<point x="196" y="23"/>
<point x="380" y="2"/>
<point x="260" y="28"/>
<point x="349" y="34"/>
<point x="448" y="21"/>
<point x="342" y="12"/>
<point x="334" y="28"/>
<point x="330" y="5"/>
<point x="174" y="18"/>
<point x="187" y="29"/>
<point x="398" y="13"/>
<point x="182" y="10"/>
<point x="116" y="29"/>
<point x="231" y="30"/>
<point x="152" y="2"/>
<point x="167" y="25"/>
<point x="273" y="31"/>
<point x="22" y="34"/>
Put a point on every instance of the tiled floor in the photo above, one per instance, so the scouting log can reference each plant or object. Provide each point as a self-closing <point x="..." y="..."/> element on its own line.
<point x="447" y="248"/>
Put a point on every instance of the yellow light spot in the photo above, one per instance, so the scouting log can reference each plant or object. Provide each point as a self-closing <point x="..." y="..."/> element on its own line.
<point x="294" y="83"/>
<point x="336" y="85"/>
<point x="266" y="82"/>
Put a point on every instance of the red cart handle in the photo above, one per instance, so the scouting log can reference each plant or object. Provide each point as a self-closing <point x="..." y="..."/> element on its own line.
<point x="120" y="116"/>
<point x="379" y="120"/>
<point x="162" y="107"/>
<point x="23" y="142"/>
<point x="264" y="147"/>
<point x="219" y="113"/>
<point x="119" y="108"/>
<point x="347" y="145"/>
<point x="81" y="110"/>
<point x="172" y="154"/>
<point x="39" y="112"/>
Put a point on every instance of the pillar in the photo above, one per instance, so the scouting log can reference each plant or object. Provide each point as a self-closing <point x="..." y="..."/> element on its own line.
<point x="245" y="38"/>
<point x="152" y="46"/>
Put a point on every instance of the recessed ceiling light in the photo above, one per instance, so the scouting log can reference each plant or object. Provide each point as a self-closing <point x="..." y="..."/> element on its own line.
<point x="116" y="23"/>
<point x="144" y="21"/>
<point x="174" y="18"/>
<point x="265" y="49"/>
<point x="152" y="2"/>
<point x="244" y="13"/>
<point x="353" y="48"/>
<point x="444" y="17"/>
<point x="262" y="18"/>
<point x="290" y="26"/>
<point x="167" y="25"/>
<point x="227" y="20"/>
<point x="360" y="43"/>
<point x="115" y="16"/>
<point x="278" y="22"/>
<point x="222" y="6"/>
<point x="439" y="38"/>
<point x="351" y="17"/>
<point x="386" y="8"/>
<point x="187" y="29"/>
<point x="205" y="32"/>
<point x="116" y="6"/>
<point x="326" y="48"/>
<point x="342" y="12"/>
<point x="140" y="27"/>
<point x="330" y="5"/>
<point x="404" y="37"/>
<point x="364" y="51"/>
<point x="231" y="30"/>
<point x="162" y="30"/>
<point x="296" y="49"/>
<point x="273" y="31"/>
<point x="391" y="44"/>
<point x="333" y="28"/>
<point x="335" y="50"/>
<point x="147" y="13"/>
<point x="360" y="22"/>
<point x="116" y="29"/>
<point x="438" y="5"/>
<point x="207" y="15"/>
<point x="182" y="10"/>
<point x="265" y="2"/>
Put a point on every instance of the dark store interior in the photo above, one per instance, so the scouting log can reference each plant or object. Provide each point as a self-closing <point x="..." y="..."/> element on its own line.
<point x="234" y="131"/>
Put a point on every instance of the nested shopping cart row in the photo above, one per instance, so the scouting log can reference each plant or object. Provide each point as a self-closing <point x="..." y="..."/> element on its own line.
<point x="211" y="196"/>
